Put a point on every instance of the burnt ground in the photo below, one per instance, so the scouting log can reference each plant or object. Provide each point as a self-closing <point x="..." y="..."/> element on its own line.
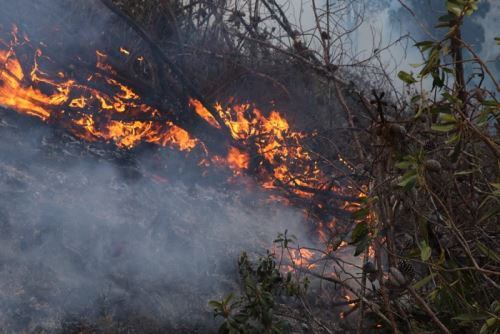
<point x="97" y="238"/>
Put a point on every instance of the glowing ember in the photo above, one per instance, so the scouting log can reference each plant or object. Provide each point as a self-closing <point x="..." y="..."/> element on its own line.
<point x="124" y="51"/>
<point x="350" y="301"/>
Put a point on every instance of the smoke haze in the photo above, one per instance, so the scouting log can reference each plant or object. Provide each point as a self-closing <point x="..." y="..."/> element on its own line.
<point x="79" y="233"/>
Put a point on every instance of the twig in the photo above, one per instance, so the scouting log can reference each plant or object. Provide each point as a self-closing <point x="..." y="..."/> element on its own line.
<point x="428" y="310"/>
<point x="359" y="329"/>
<point x="336" y="280"/>
<point x="192" y="92"/>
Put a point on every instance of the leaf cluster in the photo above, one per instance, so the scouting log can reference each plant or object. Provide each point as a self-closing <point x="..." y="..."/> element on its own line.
<point x="253" y="310"/>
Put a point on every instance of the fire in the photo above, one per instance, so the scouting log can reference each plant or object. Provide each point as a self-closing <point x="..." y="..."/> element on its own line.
<point x="124" y="51"/>
<point x="25" y="99"/>
<point x="101" y="108"/>
<point x="279" y="147"/>
<point x="350" y="301"/>
<point x="204" y="113"/>
<point x="302" y="257"/>
<point x="65" y="97"/>
<point x="237" y="159"/>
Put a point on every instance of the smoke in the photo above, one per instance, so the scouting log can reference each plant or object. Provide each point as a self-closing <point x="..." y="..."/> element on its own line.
<point x="79" y="234"/>
<point x="105" y="236"/>
<point x="377" y="28"/>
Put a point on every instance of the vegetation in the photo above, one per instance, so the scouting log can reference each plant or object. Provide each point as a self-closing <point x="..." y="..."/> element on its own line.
<point x="252" y="312"/>
<point x="425" y="156"/>
<point x="419" y="150"/>
<point x="433" y="201"/>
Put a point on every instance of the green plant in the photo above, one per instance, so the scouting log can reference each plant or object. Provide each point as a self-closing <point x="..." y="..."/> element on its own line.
<point x="253" y="310"/>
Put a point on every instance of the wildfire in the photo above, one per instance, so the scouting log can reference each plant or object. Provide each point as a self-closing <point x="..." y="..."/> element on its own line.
<point x="237" y="159"/>
<point x="204" y="113"/>
<point x="21" y="90"/>
<point x="262" y="143"/>
<point x="278" y="147"/>
<point x="96" y="115"/>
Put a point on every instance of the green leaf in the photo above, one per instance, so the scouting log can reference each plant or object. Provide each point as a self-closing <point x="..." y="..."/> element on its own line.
<point x="469" y="317"/>
<point x="454" y="139"/>
<point x="491" y="322"/>
<point x="447" y="118"/>
<point x="440" y="109"/>
<point x="442" y="25"/>
<point x="443" y="127"/>
<point x="228" y="298"/>
<point x="415" y="98"/>
<point x="215" y="304"/>
<point x="451" y="98"/>
<point x="424" y="45"/>
<point x="454" y="8"/>
<point x="360" y="232"/>
<point x="490" y="103"/>
<point x="409" y="180"/>
<point x="495" y="306"/>
<point x="437" y="80"/>
<point x="432" y="63"/>
<point x="446" y="18"/>
<point x="423" y="282"/>
<point x="425" y="251"/>
<point x="403" y="165"/>
<point x="406" y="77"/>
<point x="361" y="246"/>
<point x="473" y="7"/>
<point x="457" y="149"/>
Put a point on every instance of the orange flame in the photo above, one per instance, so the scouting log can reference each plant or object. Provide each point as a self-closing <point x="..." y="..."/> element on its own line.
<point x="281" y="148"/>
<point x="18" y="91"/>
<point x="93" y="115"/>
<point x="237" y="159"/>
<point x="203" y="112"/>
<point x="264" y="143"/>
